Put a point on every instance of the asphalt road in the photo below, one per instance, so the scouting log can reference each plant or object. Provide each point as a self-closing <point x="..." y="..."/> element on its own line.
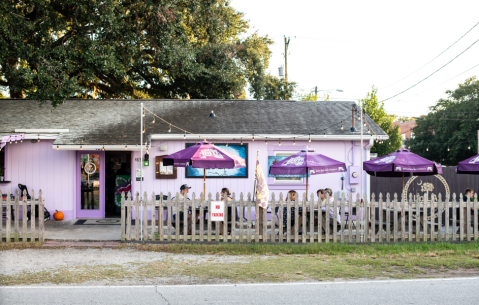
<point x="427" y="291"/>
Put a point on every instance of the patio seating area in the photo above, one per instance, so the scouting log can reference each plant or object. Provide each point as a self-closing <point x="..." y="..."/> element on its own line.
<point x="383" y="219"/>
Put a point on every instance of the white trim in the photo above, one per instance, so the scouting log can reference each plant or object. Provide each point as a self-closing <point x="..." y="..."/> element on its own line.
<point x="259" y="137"/>
<point x="98" y="147"/>
<point x="40" y="136"/>
<point x="42" y="130"/>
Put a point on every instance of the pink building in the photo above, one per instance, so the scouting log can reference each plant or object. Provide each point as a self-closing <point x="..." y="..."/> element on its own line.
<point x="406" y="129"/>
<point x="84" y="151"/>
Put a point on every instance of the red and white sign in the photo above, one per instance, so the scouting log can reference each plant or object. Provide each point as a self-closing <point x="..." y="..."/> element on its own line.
<point x="217" y="211"/>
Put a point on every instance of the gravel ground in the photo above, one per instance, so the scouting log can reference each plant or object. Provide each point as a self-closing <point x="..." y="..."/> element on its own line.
<point x="34" y="260"/>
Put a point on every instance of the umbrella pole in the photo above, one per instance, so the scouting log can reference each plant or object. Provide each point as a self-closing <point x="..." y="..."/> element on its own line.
<point x="204" y="182"/>
<point x="403" y="182"/>
<point x="307" y="186"/>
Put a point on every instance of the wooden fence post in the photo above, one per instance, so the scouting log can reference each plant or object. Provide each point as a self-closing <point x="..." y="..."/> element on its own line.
<point x="311" y="219"/>
<point x="41" y="217"/>
<point x="446" y="206"/>
<point x="280" y="220"/>
<point x="169" y="216"/>
<point x="241" y="218"/>
<point x="454" y="216"/>
<point x="461" y="219"/>
<point x="161" y="212"/>
<point x="373" y="218"/>
<point x="409" y="221"/>
<point x="194" y="217"/>
<point x="122" y="209"/>
<point x="233" y="218"/>
<point x="350" y="218"/>
<point x="403" y="216"/>
<point x="137" y="216"/>
<point x="395" y="220"/>
<point x="202" y="216"/>
<point x="388" y="218"/>
<point x="273" y="216"/>
<point x="129" y="205"/>
<point x="439" y="217"/>
<point x="381" y="220"/>
<point x="342" y="219"/>
<point x="185" y="218"/>
<point x="209" y="217"/>
<point x="32" y="218"/>
<point x="16" y="234"/>
<point x="24" y="216"/>
<point x="153" y="216"/>
<point x="335" y="219"/>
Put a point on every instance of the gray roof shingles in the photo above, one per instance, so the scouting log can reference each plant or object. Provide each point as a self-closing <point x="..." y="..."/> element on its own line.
<point x="117" y="122"/>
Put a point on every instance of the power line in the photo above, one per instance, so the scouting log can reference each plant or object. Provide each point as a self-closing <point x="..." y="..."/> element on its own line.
<point x="443" y="82"/>
<point x="432" y="72"/>
<point x="433" y="58"/>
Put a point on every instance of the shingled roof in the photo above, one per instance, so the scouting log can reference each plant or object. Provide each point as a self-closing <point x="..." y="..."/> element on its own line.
<point x="117" y="122"/>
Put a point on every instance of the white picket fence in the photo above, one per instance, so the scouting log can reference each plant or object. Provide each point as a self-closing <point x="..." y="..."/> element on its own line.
<point x="344" y="220"/>
<point x="10" y="229"/>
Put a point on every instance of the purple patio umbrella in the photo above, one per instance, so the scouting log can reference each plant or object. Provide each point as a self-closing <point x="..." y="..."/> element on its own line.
<point x="204" y="155"/>
<point x="401" y="163"/>
<point x="305" y="163"/>
<point x="468" y="166"/>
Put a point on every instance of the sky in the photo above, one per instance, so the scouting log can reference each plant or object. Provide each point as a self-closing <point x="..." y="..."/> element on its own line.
<point x="353" y="45"/>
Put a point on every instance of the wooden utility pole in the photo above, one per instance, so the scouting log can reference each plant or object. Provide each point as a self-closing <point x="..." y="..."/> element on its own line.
<point x="286" y="45"/>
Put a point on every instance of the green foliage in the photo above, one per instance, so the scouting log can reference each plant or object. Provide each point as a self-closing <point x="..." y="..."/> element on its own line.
<point x="376" y="112"/>
<point x="402" y="118"/>
<point x="310" y="96"/>
<point x="451" y="123"/>
<point x="56" y="49"/>
<point x="274" y="88"/>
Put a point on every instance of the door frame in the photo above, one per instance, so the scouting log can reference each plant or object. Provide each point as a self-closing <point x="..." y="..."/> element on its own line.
<point x="100" y="213"/>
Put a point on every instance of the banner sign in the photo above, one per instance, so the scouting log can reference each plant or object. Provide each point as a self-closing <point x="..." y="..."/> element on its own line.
<point x="217" y="211"/>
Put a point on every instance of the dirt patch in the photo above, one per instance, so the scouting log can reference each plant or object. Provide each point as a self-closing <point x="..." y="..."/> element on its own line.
<point x="445" y="273"/>
<point x="37" y="260"/>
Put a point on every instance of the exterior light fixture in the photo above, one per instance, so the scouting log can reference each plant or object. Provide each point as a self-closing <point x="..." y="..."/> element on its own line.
<point x="58" y="147"/>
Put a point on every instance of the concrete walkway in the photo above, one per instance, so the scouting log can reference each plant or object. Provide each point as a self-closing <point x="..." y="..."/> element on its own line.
<point x="65" y="230"/>
<point x="95" y="244"/>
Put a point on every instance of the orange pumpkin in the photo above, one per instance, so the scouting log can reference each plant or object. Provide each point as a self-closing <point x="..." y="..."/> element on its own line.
<point x="58" y="215"/>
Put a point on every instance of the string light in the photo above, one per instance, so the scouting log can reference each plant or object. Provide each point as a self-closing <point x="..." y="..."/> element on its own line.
<point x="279" y="142"/>
<point x="58" y="147"/>
<point x="103" y="148"/>
<point x="21" y="140"/>
<point x="266" y="141"/>
<point x="169" y="130"/>
<point x="448" y="148"/>
<point x="253" y="138"/>
<point x="144" y="127"/>
<point x="427" y="149"/>
<point x="241" y="141"/>
<point x="16" y="142"/>
<point x="153" y="120"/>
<point x="325" y="133"/>
<point x="184" y="137"/>
<point x="294" y="141"/>
<point x="126" y="146"/>
<point x="38" y="140"/>
<point x="342" y="125"/>
<point x="81" y="147"/>
<point x="226" y="144"/>
<point x="309" y="138"/>
<point x="469" y="147"/>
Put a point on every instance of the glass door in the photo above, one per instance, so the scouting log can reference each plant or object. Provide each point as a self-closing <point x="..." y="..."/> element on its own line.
<point x="90" y="184"/>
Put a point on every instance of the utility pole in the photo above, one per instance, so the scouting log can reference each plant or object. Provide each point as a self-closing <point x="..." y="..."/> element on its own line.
<point x="286" y="45"/>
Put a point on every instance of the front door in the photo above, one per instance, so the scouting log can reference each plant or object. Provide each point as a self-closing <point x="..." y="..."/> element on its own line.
<point x="90" y="184"/>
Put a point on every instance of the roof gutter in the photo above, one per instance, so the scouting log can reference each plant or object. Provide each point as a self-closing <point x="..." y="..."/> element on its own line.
<point x="99" y="147"/>
<point x="246" y="137"/>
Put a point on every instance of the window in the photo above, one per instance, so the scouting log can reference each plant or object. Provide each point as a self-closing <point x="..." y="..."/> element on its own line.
<point x="164" y="172"/>
<point x="286" y="154"/>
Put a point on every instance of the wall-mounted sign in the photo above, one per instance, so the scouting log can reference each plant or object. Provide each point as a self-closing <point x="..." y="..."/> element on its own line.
<point x="139" y="176"/>
<point x="138" y="159"/>
<point x="217" y="211"/>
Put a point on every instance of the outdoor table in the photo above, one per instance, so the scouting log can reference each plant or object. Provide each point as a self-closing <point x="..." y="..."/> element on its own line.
<point x="405" y="214"/>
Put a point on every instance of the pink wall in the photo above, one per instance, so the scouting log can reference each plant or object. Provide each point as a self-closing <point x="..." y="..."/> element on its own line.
<point x="39" y="166"/>
<point x="338" y="150"/>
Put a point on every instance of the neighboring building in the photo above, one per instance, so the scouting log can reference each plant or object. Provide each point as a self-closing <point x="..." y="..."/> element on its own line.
<point x="406" y="129"/>
<point x="71" y="153"/>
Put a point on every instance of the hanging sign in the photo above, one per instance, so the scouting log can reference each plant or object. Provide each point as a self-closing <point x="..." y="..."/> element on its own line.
<point x="90" y="168"/>
<point x="217" y="211"/>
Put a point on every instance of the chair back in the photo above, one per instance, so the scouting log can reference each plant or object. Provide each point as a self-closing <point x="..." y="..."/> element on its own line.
<point x="23" y="187"/>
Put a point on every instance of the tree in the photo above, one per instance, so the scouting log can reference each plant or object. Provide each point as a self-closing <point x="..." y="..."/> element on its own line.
<point x="274" y="88"/>
<point x="376" y="112"/>
<point x="313" y="97"/>
<point x="56" y="49"/>
<point x="447" y="134"/>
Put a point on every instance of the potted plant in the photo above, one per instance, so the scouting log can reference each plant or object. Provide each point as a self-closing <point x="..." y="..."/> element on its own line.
<point x="2" y="172"/>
